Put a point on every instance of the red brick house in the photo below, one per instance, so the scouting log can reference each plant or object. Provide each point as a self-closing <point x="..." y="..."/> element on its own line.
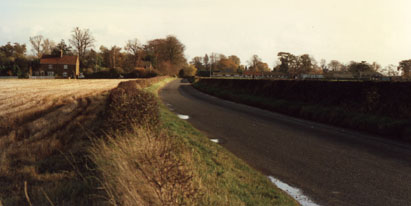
<point x="58" y="67"/>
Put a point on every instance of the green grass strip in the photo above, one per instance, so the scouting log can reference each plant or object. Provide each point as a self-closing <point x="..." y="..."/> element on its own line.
<point x="224" y="178"/>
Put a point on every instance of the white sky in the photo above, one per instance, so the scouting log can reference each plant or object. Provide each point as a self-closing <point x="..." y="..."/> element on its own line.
<point x="370" y="30"/>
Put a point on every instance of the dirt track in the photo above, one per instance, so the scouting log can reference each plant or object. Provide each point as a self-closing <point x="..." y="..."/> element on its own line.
<point x="331" y="165"/>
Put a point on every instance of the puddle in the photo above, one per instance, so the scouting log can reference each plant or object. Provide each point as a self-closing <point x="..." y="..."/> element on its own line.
<point x="181" y="116"/>
<point x="214" y="140"/>
<point x="293" y="192"/>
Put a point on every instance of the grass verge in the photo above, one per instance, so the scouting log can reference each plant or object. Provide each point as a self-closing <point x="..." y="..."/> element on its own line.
<point x="175" y="164"/>
<point x="225" y="179"/>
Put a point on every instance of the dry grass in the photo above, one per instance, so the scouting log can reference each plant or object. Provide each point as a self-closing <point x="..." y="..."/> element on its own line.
<point x="42" y="125"/>
<point x="53" y="158"/>
<point x="144" y="167"/>
<point x="22" y="98"/>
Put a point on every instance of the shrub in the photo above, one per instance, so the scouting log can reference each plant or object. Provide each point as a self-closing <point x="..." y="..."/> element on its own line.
<point x="143" y="167"/>
<point x="188" y="71"/>
<point x="140" y="72"/>
<point x="109" y="74"/>
<point x="127" y="105"/>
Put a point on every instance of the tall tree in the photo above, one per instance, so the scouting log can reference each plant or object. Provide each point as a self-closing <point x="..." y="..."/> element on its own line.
<point x="289" y="63"/>
<point x="405" y="67"/>
<point x="376" y="67"/>
<point x="213" y="61"/>
<point x="256" y="64"/>
<point x="115" y="56"/>
<point x="133" y="47"/>
<point x="323" y="65"/>
<point x="206" y="61"/>
<point x="235" y="59"/>
<point x="61" y="47"/>
<point x="304" y="64"/>
<point x="166" y="55"/>
<point x="81" y="41"/>
<point x="47" y="46"/>
<point x="36" y="44"/>
<point x="390" y="70"/>
<point x="357" y="68"/>
<point x="13" y="60"/>
<point x="198" y="63"/>
<point x="335" y="65"/>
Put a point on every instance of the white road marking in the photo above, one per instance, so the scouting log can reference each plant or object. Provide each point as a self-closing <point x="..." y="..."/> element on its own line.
<point x="214" y="140"/>
<point x="182" y="116"/>
<point x="293" y="192"/>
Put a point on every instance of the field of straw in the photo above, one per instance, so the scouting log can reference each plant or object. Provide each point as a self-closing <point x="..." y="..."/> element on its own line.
<point x="21" y="97"/>
<point x="41" y="125"/>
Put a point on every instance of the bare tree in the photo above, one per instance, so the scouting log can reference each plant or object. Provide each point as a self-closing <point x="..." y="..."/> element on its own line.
<point x="134" y="48"/>
<point x="390" y="70"/>
<point x="81" y="41"/>
<point x="36" y="42"/>
<point x="114" y="56"/>
<point x="47" y="46"/>
<point x="206" y="60"/>
<point x="323" y="64"/>
<point x="335" y="65"/>
<point x="377" y="67"/>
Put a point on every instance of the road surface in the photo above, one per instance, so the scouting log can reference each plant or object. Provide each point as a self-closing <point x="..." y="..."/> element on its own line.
<point x="331" y="165"/>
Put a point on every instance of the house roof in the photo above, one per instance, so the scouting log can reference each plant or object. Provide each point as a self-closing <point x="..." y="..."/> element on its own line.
<point x="70" y="60"/>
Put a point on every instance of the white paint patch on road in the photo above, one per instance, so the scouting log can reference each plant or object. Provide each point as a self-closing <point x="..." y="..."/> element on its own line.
<point x="214" y="140"/>
<point x="182" y="116"/>
<point x="293" y="192"/>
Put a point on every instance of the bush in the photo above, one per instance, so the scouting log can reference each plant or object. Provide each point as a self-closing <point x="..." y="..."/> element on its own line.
<point x="141" y="73"/>
<point x="110" y="74"/>
<point x="143" y="167"/>
<point x="128" y="105"/>
<point x="188" y="71"/>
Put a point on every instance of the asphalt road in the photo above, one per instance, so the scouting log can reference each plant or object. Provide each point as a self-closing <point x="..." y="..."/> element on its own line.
<point x="331" y="165"/>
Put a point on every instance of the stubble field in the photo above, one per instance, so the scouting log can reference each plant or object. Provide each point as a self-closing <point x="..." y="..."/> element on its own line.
<point x="41" y="121"/>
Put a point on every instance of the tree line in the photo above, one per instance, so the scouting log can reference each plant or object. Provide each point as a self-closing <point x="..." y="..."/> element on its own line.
<point x="293" y="65"/>
<point x="165" y="56"/>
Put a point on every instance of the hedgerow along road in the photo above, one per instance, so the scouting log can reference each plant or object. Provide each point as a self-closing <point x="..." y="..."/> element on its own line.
<point x="331" y="165"/>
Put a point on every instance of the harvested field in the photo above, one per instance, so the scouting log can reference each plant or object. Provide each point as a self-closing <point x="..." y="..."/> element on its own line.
<point x="42" y="125"/>
<point x="20" y="97"/>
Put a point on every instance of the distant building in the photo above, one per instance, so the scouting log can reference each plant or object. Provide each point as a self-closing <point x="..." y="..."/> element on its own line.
<point x="225" y="74"/>
<point x="311" y="76"/>
<point x="264" y="75"/>
<point x="338" y="75"/>
<point x="371" y="75"/>
<point x="58" y="67"/>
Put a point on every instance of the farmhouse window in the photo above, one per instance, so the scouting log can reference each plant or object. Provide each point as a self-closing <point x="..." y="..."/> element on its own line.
<point x="64" y="73"/>
<point x="50" y="66"/>
<point x="65" y="66"/>
<point x="50" y="73"/>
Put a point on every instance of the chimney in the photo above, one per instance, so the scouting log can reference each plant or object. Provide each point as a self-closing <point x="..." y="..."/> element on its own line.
<point x="61" y="53"/>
